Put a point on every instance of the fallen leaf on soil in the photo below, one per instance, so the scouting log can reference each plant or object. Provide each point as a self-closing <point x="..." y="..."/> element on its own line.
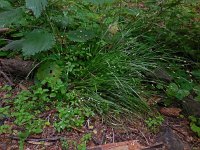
<point x="154" y="100"/>
<point x="171" y="112"/>
<point x="21" y="86"/>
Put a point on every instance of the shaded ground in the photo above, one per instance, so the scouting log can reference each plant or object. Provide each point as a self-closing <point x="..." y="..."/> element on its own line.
<point x="101" y="132"/>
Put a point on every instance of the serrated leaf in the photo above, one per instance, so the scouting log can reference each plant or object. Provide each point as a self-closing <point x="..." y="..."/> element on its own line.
<point x="14" y="45"/>
<point x="5" y="4"/>
<point x="10" y="16"/>
<point x="37" y="6"/>
<point x="37" y="41"/>
<point x="49" y="69"/>
<point x="80" y="35"/>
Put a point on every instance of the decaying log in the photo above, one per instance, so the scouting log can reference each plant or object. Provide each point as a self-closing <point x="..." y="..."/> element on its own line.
<point x="16" y="67"/>
<point x="2" y="30"/>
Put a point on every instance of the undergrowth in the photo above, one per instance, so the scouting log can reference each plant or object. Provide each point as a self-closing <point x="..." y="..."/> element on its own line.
<point x="99" y="57"/>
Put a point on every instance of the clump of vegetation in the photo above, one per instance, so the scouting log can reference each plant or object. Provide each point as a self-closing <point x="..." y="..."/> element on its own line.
<point x="154" y="123"/>
<point x="195" y="125"/>
<point x="99" y="57"/>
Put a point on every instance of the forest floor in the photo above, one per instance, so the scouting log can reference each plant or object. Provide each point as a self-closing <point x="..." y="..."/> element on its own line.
<point x="175" y="130"/>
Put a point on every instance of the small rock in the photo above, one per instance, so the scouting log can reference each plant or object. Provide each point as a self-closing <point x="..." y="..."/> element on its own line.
<point x="171" y="140"/>
<point x="191" y="106"/>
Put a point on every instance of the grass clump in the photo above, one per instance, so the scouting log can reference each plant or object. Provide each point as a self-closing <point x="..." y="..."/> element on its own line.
<point x="96" y="57"/>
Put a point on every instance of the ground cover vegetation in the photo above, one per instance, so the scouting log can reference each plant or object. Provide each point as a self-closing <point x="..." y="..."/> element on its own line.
<point x="105" y="57"/>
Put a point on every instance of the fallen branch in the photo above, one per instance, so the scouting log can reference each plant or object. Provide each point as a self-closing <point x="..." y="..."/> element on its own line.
<point x="4" y="30"/>
<point x="35" y="139"/>
<point x="16" y="67"/>
<point x="76" y="129"/>
<point x="157" y="145"/>
<point x="7" y="78"/>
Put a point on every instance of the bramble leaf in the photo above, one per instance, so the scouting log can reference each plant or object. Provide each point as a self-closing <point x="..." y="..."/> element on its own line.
<point x="37" y="6"/>
<point x="37" y="41"/>
<point x="10" y="16"/>
<point x="5" y="4"/>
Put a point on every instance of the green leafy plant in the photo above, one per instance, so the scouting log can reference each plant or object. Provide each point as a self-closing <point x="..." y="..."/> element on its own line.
<point x="83" y="141"/>
<point x="195" y="125"/>
<point x="65" y="144"/>
<point x="81" y="145"/>
<point x="95" y="56"/>
<point x="36" y="6"/>
<point x="174" y="90"/>
<point x="72" y="117"/>
<point x="154" y="123"/>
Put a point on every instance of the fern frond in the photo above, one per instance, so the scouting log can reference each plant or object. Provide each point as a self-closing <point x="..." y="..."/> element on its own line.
<point x="37" y="6"/>
<point x="37" y="41"/>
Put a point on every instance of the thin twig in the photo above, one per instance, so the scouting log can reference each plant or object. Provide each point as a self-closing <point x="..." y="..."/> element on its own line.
<point x="157" y="145"/>
<point x="113" y="136"/>
<point x="144" y="137"/>
<point x="36" y="139"/>
<point x="7" y="78"/>
<point x="33" y="69"/>
<point x="79" y="130"/>
<point x="103" y="137"/>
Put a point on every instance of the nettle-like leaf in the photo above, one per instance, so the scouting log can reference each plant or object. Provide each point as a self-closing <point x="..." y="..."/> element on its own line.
<point x="80" y="35"/>
<point x="37" y="41"/>
<point x="10" y="17"/>
<point x="37" y="6"/>
<point x="14" y="45"/>
<point x="5" y="4"/>
<point x="34" y="42"/>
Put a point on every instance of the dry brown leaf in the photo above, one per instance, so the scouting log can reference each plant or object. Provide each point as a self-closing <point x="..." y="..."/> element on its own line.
<point x="21" y="86"/>
<point x="153" y="100"/>
<point x="171" y="112"/>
